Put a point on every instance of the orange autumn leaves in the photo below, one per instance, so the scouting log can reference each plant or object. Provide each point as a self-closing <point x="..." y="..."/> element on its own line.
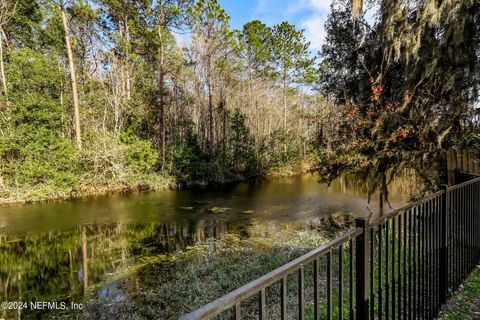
<point x="375" y="127"/>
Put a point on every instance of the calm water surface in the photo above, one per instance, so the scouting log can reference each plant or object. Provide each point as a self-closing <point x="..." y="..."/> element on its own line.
<point x="54" y="251"/>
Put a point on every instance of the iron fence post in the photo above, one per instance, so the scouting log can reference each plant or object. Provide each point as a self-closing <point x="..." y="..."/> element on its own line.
<point x="362" y="265"/>
<point x="443" y="259"/>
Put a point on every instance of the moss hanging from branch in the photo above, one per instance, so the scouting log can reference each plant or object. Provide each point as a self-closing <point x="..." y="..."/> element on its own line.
<point x="357" y="7"/>
<point x="408" y="92"/>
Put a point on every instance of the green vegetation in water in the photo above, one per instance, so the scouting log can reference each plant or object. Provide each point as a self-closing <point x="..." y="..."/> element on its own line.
<point x="201" y="202"/>
<point x="172" y="285"/>
<point x="168" y="285"/>
<point x="132" y="265"/>
<point x="337" y="222"/>
<point x="218" y="210"/>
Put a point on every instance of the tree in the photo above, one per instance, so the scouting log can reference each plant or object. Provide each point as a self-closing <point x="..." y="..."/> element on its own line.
<point x="406" y="84"/>
<point x="210" y="27"/>
<point x="24" y="28"/>
<point x="118" y="17"/>
<point x="155" y="105"/>
<point x="241" y="141"/>
<point x="290" y="54"/>
<point x="7" y="10"/>
<point x="169" y="14"/>
<point x="73" y="76"/>
<point x="256" y="41"/>
<point x="84" y="20"/>
<point x="32" y="149"/>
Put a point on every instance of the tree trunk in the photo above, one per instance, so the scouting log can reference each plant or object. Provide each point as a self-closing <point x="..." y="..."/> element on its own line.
<point x="127" y="53"/>
<point x="211" y="116"/>
<point x="224" y="109"/>
<point x="2" y="68"/>
<point x="73" y="77"/>
<point x="285" y="111"/>
<point x="284" y="105"/>
<point x="162" y="94"/>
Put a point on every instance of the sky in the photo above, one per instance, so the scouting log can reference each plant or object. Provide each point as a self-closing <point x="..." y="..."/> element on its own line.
<point x="309" y="15"/>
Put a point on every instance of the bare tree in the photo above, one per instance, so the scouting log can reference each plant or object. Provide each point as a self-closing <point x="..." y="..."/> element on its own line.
<point x="73" y="76"/>
<point x="115" y="93"/>
<point x="7" y="10"/>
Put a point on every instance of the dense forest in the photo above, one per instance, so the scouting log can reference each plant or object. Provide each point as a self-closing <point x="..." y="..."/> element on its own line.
<point x="112" y="94"/>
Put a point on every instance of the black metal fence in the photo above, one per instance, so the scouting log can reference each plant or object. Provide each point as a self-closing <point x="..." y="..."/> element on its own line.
<point x="402" y="265"/>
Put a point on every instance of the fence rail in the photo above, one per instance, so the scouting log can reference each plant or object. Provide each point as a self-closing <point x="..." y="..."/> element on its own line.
<point x="402" y="265"/>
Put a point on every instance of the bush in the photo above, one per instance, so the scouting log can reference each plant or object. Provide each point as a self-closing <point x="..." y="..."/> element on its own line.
<point x="32" y="149"/>
<point x="140" y="155"/>
<point x="108" y="159"/>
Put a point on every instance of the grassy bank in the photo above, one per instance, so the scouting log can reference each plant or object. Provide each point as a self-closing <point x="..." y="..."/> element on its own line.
<point x="465" y="303"/>
<point x="85" y="187"/>
<point x="26" y="194"/>
<point x="164" y="287"/>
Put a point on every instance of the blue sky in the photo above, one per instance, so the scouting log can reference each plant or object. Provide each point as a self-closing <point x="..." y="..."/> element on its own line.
<point x="305" y="14"/>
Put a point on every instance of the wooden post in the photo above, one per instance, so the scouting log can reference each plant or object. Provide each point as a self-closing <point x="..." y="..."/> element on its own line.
<point x="465" y="160"/>
<point x="471" y="164"/>
<point x="362" y="272"/>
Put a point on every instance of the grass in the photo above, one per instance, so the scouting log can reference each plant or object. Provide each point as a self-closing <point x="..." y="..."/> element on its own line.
<point x="27" y="194"/>
<point x="171" y="285"/>
<point x="465" y="303"/>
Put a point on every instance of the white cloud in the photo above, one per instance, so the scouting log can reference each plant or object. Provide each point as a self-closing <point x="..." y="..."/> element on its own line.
<point x="307" y="14"/>
<point x="321" y="5"/>
<point x="183" y="40"/>
<point x="315" y="22"/>
<point x="314" y="31"/>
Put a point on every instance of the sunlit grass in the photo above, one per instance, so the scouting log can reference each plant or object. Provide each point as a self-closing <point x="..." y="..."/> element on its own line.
<point x="465" y="304"/>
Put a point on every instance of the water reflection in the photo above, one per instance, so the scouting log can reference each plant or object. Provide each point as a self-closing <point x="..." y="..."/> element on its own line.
<point x="284" y="199"/>
<point x="58" y="251"/>
<point x="61" y="265"/>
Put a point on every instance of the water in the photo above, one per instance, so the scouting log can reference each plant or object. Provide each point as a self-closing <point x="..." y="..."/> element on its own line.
<point x="58" y="250"/>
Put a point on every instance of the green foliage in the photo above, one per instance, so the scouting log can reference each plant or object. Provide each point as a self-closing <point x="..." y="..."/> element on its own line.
<point x="472" y="140"/>
<point x="25" y="26"/>
<point x="290" y="53"/>
<point x="107" y="159"/>
<point x="257" y="39"/>
<point x="281" y="148"/>
<point x="32" y="148"/>
<point x="465" y="303"/>
<point x="139" y="154"/>
<point x="243" y="157"/>
<point x="404" y="91"/>
<point x="189" y="162"/>
<point x="209" y="13"/>
<point x="149" y="107"/>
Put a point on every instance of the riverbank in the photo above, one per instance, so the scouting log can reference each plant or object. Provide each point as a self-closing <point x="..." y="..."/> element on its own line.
<point x="465" y="303"/>
<point x="166" y="286"/>
<point x="140" y="241"/>
<point x="45" y="193"/>
<point x="25" y="194"/>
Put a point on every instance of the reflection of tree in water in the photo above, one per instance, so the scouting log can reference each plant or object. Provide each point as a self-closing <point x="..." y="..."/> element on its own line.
<point x="405" y="184"/>
<point x="61" y="265"/>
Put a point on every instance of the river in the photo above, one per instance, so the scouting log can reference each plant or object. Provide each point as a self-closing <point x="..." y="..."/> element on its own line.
<point x="64" y="250"/>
